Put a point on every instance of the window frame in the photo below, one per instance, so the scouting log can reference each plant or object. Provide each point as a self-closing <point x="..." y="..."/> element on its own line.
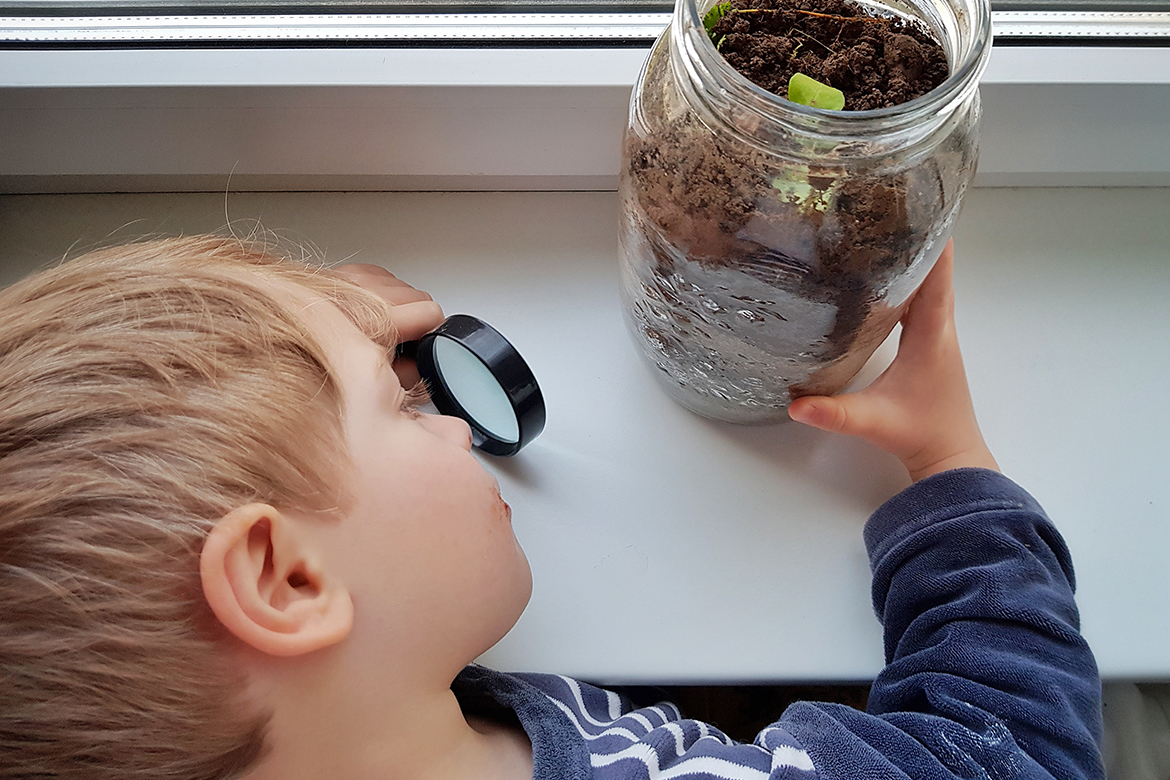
<point x="1145" y="27"/>
<point x="482" y="117"/>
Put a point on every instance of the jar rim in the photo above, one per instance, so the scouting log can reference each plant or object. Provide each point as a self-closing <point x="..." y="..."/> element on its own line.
<point x="952" y="91"/>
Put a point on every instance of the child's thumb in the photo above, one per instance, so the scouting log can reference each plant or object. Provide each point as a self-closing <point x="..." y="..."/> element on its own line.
<point x="855" y="414"/>
<point x="819" y="411"/>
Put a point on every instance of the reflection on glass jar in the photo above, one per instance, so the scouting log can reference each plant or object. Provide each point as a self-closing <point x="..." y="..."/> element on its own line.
<point x="768" y="248"/>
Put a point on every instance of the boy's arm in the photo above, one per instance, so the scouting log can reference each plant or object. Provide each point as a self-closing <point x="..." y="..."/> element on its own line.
<point x="986" y="673"/>
<point x="973" y="584"/>
<point x="974" y="587"/>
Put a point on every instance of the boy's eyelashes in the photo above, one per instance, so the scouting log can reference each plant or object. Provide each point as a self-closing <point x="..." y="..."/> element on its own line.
<point x="415" y="397"/>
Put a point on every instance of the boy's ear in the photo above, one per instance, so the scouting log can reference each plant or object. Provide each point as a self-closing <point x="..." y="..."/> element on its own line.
<point x="267" y="586"/>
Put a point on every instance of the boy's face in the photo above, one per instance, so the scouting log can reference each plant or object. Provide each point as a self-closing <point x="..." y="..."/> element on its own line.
<point x="426" y="549"/>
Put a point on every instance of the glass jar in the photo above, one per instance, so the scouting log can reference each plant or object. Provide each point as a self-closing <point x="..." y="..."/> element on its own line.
<point x="768" y="248"/>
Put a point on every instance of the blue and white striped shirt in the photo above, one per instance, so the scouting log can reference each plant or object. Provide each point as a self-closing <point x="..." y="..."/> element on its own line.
<point x="987" y="675"/>
<point x="622" y="742"/>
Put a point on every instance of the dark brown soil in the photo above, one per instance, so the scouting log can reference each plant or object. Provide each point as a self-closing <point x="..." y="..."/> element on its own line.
<point x="878" y="62"/>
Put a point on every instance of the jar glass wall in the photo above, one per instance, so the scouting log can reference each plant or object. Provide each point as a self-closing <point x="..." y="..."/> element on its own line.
<point x="768" y="248"/>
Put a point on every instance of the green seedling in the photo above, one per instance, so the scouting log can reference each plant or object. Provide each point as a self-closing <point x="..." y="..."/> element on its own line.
<point x="795" y="188"/>
<point x="809" y="92"/>
<point x="713" y="16"/>
<point x="801" y="88"/>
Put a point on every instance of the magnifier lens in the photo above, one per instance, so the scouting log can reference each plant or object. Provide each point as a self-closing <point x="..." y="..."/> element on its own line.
<point x="474" y="373"/>
<point x="472" y="385"/>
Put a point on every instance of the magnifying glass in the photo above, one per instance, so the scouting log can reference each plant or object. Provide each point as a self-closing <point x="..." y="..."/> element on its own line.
<point x="475" y="373"/>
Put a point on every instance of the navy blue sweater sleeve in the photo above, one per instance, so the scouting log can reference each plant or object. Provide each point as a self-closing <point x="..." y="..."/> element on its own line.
<point x="986" y="672"/>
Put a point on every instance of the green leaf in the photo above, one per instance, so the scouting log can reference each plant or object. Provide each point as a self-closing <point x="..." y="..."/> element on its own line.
<point x="795" y="188"/>
<point x="810" y="92"/>
<point x="713" y="16"/>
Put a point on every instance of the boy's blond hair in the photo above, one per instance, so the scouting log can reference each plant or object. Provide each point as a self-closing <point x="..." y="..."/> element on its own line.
<point x="145" y="391"/>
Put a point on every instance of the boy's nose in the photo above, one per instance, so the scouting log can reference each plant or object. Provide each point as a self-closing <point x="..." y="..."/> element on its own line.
<point x="453" y="429"/>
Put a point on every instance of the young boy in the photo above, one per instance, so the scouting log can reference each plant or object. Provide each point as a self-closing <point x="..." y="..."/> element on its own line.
<point x="231" y="548"/>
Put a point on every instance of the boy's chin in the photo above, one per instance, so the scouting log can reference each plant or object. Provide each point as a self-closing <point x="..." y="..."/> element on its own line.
<point x="517" y="599"/>
<point x="523" y="593"/>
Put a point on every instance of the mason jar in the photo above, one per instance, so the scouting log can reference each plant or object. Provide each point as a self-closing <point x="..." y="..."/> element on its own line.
<point x="768" y="248"/>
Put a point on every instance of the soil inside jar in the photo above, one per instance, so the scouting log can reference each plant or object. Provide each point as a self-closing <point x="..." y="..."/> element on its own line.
<point x="820" y="239"/>
<point x="876" y="61"/>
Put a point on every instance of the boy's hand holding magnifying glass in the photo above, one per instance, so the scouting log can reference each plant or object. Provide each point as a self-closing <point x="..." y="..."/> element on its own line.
<point x="415" y="313"/>
<point x="471" y="371"/>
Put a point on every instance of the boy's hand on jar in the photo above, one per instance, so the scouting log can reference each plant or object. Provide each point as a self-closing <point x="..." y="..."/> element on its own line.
<point x="920" y="409"/>
<point x="415" y="313"/>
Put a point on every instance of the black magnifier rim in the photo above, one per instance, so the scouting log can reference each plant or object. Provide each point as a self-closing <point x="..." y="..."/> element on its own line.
<point x="504" y="363"/>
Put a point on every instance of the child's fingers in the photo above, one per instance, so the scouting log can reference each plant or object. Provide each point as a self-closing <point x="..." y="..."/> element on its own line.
<point x="414" y="312"/>
<point x="415" y="320"/>
<point x="933" y="306"/>
<point x="920" y="408"/>
<point x="378" y="280"/>
<point x="400" y="294"/>
<point x="407" y="372"/>
<point x="937" y="284"/>
<point x="368" y="271"/>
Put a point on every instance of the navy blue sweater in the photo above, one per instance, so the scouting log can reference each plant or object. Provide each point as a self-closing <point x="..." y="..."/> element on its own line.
<point x="987" y="675"/>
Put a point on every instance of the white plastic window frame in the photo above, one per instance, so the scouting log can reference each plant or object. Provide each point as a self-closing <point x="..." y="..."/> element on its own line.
<point x="490" y="117"/>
